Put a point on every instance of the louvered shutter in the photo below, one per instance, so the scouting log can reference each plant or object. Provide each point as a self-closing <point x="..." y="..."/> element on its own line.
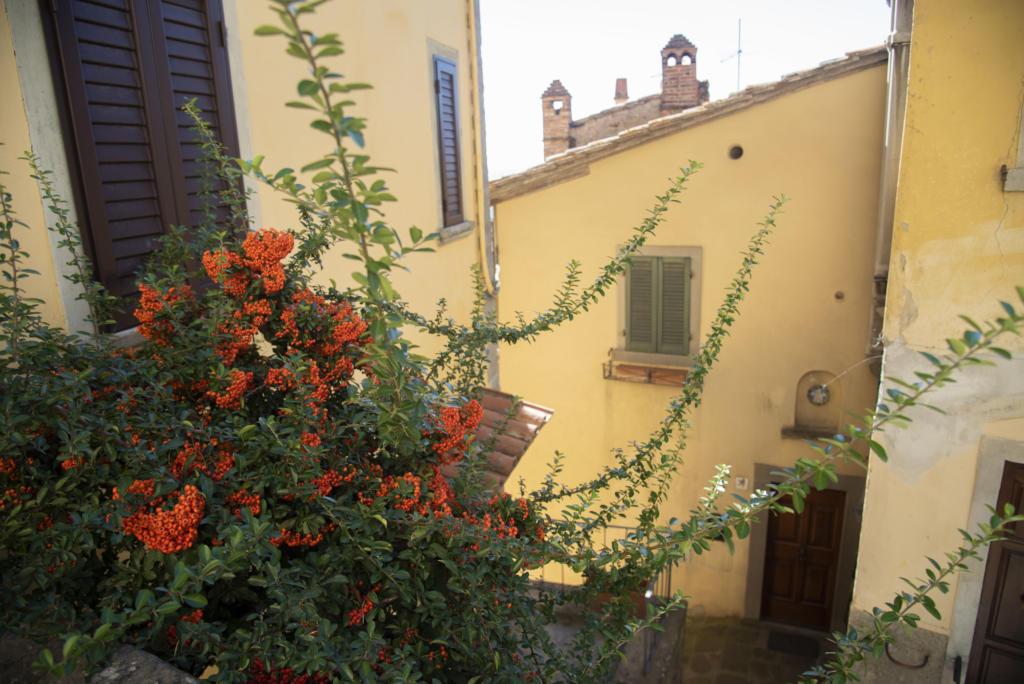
<point x="446" y="95"/>
<point x="641" y="305"/>
<point x="126" y="67"/>
<point x="674" y="306"/>
<point x="658" y="305"/>
<point x="196" y="58"/>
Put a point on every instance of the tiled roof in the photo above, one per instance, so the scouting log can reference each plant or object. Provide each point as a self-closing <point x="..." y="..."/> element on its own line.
<point x="576" y="162"/>
<point x="506" y="432"/>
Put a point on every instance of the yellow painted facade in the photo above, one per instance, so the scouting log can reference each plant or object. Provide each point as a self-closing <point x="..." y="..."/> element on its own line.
<point x="14" y="135"/>
<point x="389" y="44"/>
<point x="808" y="309"/>
<point x="957" y="247"/>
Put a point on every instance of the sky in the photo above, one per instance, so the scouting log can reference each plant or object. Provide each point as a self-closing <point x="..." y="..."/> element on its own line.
<point x="588" y="44"/>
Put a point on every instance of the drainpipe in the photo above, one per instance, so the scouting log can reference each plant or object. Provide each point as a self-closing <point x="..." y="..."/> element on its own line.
<point x="898" y="42"/>
<point x="485" y="234"/>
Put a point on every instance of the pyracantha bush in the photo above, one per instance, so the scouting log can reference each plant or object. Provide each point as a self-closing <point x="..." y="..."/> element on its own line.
<point x="273" y="487"/>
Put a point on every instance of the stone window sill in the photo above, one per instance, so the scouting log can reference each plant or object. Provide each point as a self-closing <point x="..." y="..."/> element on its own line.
<point x="456" y="231"/>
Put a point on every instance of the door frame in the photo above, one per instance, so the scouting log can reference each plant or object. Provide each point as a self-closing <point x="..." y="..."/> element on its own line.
<point x="991" y="584"/>
<point x="993" y="453"/>
<point x="847" y="561"/>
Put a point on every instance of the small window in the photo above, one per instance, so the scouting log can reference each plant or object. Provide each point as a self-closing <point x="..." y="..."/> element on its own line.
<point x="659" y="317"/>
<point x="446" y="102"/>
<point x="658" y="305"/>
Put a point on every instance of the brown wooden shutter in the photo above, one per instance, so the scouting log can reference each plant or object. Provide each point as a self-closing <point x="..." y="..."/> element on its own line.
<point x="126" y="67"/>
<point x="446" y="94"/>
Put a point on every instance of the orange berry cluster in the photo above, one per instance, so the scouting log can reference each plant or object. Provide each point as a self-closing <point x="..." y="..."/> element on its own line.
<point x="192" y="458"/>
<point x="242" y="498"/>
<point x="262" y="674"/>
<point x="165" y="530"/>
<point x="153" y="325"/>
<point x="194" y="617"/>
<point x="231" y="398"/>
<point x="289" y="538"/>
<point x="357" y="615"/>
<point x="456" y="426"/>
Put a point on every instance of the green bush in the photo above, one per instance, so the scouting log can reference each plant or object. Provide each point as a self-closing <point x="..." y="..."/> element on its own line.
<point x="258" y="487"/>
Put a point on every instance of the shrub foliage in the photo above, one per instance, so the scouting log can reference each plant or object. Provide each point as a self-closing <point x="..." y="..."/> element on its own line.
<point x="261" y="485"/>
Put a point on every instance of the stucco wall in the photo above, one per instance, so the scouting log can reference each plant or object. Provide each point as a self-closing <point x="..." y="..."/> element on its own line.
<point x="958" y="247"/>
<point x="822" y="147"/>
<point x="388" y="44"/>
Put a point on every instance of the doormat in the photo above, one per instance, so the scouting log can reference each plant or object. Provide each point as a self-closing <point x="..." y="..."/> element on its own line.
<point x="794" y="644"/>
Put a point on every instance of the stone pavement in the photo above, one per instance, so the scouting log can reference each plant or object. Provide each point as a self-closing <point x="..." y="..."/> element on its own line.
<point x="737" y="651"/>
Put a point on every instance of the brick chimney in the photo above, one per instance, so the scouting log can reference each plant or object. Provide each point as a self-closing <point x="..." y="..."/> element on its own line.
<point x="556" y="103"/>
<point x="679" y="87"/>
<point x="620" y="91"/>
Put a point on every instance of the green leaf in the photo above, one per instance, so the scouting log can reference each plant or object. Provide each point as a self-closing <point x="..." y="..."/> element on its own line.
<point x="957" y="346"/>
<point x="268" y="30"/>
<point x="195" y="600"/>
<point x="929" y="605"/>
<point x="143" y="598"/>
<point x="878" y="449"/>
<point x="69" y="644"/>
<point x="319" y="164"/>
<point x="168" y="607"/>
<point x="1001" y="352"/>
<point x="307" y="87"/>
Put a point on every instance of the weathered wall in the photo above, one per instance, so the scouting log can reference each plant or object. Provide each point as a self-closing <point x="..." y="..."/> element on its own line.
<point x="821" y="146"/>
<point x="958" y="247"/>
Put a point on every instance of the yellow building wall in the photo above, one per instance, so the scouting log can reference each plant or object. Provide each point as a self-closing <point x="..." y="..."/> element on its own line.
<point x="14" y="135"/>
<point x="958" y="247"/>
<point x="822" y="147"/>
<point x="388" y="44"/>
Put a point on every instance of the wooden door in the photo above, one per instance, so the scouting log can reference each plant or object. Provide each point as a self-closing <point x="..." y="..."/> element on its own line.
<point x="801" y="559"/>
<point x="997" y="654"/>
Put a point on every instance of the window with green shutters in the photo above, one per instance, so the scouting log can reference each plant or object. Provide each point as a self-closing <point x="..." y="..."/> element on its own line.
<point x="658" y="291"/>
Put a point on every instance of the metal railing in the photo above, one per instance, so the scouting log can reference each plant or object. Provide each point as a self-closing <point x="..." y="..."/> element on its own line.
<point x="656" y="595"/>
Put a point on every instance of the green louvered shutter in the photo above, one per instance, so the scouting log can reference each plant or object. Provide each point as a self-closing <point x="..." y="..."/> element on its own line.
<point x="674" y="300"/>
<point x="641" y="305"/>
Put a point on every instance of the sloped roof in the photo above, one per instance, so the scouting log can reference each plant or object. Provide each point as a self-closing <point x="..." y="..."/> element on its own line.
<point x="556" y="89"/>
<point x="506" y="433"/>
<point x="576" y="161"/>
<point x="679" y="41"/>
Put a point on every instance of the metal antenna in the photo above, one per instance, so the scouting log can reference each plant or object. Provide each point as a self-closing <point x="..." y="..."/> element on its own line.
<point x="739" y="51"/>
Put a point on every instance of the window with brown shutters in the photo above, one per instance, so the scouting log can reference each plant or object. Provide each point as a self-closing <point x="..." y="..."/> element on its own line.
<point x="126" y="68"/>
<point x="446" y="102"/>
